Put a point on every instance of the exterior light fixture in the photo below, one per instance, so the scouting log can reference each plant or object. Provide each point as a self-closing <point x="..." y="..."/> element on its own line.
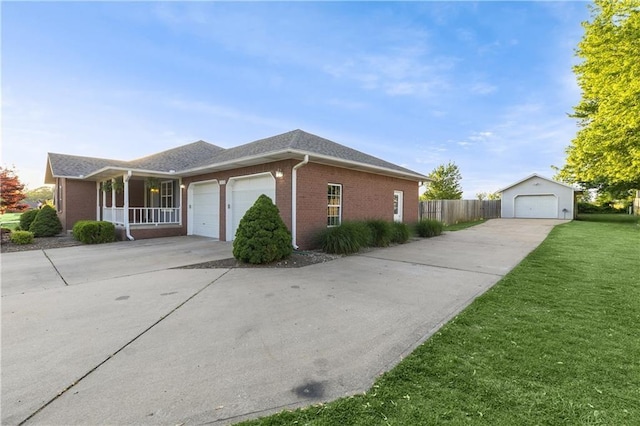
<point x="279" y="174"/>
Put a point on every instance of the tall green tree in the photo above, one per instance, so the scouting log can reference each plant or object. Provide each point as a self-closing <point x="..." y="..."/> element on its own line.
<point x="605" y="154"/>
<point x="445" y="184"/>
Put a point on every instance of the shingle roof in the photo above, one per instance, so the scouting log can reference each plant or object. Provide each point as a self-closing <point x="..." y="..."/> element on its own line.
<point x="181" y="158"/>
<point x="199" y="155"/>
<point x="63" y="165"/>
<point x="299" y="140"/>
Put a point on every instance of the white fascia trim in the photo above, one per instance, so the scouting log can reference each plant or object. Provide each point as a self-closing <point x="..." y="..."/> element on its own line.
<point x="126" y="169"/>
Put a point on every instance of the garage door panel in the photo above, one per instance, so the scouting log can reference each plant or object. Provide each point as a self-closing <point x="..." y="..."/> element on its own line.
<point x="536" y="206"/>
<point x="205" y="210"/>
<point x="245" y="192"/>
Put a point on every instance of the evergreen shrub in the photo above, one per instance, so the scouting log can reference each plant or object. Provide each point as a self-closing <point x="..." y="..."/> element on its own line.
<point x="21" y="237"/>
<point x="26" y="219"/>
<point x="46" y="223"/>
<point x="262" y="237"/>
<point x="94" y="232"/>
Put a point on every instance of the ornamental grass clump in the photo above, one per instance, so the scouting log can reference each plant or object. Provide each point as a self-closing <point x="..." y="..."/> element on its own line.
<point x="46" y="223"/>
<point x="347" y="238"/>
<point x="427" y="228"/>
<point x="262" y="237"/>
<point x="381" y="232"/>
<point x="400" y="233"/>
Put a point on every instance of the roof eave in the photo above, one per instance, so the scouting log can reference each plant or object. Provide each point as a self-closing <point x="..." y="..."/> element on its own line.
<point x="110" y="172"/>
<point x="299" y="154"/>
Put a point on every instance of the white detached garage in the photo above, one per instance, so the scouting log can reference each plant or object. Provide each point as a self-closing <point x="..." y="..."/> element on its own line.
<point x="538" y="197"/>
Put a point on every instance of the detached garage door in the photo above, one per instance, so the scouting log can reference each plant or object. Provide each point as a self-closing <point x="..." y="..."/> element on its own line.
<point x="243" y="193"/>
<point x="204" y="209"/>
<point x="536" y="206"/>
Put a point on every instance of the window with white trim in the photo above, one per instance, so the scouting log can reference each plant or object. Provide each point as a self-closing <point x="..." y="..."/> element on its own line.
<point x="334" y="204"/>
<point x="166" y="194"/>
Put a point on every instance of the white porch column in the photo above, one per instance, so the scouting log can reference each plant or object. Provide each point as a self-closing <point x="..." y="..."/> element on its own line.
<point x="125" y="179"/>
<point x="127" y="228"/>
<point x="97" y="200"/>
<point x="113" y="199"/>
<point x="104" y="202"/>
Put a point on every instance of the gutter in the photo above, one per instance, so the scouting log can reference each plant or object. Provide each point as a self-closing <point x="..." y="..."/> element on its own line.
<point x="127" y="227"/>
<point x="294" y="193"/>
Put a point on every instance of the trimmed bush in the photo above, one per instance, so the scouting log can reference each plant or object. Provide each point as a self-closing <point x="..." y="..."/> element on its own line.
<point x="400" y="233"/>
<point x="26" y="219"/>
<point x="46" y="223"/>
<point x="427" y="228"/>
<point x="94" y="232"/>
<point x="381" y="232"/>
<point x="262" y="236"/>
<point x="22" y="237"/>
<point x="347" y="238"/>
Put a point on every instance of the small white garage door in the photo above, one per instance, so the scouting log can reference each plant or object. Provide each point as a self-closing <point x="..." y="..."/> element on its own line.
<point x="204" y="209"/>
<point x="536" y="206"/>
<point x="244" y="192"/>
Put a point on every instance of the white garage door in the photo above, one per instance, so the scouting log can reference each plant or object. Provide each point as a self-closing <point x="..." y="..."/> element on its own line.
<point x="536" y="206"/>
<point x="205" y="209"/>
<point x="245" y="192"/>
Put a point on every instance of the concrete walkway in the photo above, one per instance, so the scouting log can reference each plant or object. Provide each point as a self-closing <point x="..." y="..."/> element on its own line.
<point x="110" y="335"/>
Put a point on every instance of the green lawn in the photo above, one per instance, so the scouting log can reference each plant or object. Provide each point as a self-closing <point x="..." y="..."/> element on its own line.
<point x="10" y="220"/>
<point x="556" y="341"/>
<point x="463" y="225"/>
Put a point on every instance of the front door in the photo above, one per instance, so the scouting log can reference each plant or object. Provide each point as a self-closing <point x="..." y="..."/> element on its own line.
<point x="397" y="206"/>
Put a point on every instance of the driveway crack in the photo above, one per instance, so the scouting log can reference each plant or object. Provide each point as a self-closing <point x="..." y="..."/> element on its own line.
<point x="145" y="331"/>
<point x="432" y="265"/>
<point x="55" y="268"/>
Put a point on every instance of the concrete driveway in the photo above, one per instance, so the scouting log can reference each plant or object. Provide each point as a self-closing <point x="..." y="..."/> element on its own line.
<point x="111" y="335"/>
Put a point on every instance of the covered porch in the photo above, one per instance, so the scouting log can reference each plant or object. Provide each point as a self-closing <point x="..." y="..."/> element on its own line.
<point x="139" y="200"/>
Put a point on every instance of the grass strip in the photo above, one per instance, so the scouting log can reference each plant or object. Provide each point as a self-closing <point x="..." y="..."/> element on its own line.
<point x="554" y="342"/>
<point x="463" y="225"/>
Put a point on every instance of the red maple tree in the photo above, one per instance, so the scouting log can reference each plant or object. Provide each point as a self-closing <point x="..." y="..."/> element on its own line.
<point x="11" y="191"/>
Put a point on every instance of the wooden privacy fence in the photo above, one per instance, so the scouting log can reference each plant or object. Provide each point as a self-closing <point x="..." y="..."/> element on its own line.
<point x="454" y="211"/>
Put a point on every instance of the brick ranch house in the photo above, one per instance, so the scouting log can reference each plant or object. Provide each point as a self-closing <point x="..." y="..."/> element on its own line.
<point x="202" y="189"/>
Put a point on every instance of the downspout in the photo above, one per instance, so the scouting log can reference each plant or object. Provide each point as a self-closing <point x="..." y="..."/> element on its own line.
<point x="127" y="228"/>
<point x="294" y="193"/>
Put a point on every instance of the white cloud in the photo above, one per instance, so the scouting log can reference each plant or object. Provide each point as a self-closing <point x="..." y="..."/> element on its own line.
<point x="482" y="88"/>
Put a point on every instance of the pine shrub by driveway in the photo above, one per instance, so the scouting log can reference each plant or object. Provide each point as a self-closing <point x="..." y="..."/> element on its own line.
<point x="262" y="236"/>
<point x="46" y="223"/>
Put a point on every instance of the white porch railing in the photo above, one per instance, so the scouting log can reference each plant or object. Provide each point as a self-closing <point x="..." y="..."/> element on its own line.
<point x="143" y="215"/>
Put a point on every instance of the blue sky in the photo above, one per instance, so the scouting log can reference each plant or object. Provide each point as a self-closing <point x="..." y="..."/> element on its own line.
<point x="487" y="85"/>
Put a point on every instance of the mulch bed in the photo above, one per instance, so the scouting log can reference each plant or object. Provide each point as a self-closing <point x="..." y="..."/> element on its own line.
<point x="44" y="243"/>
<point x="297" y="259"/>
